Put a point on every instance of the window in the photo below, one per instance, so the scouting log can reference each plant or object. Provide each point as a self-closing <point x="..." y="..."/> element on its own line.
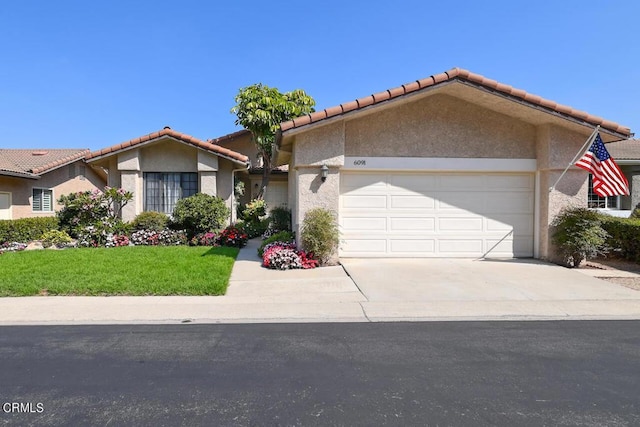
<point x="163" y="190"/>
<point x="598" y="202"/>
<point x="42" y="200"/>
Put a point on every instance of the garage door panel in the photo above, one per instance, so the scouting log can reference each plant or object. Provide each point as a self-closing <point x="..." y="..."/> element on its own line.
<point x="364" y="224"/>
<point x="365" y="202"/>
<point x="460" y="224"/>
<point x="412" y="223"/>
<point x="436" y="215"/>
<point x="520" y="224"/>
<point x="420" y="184"/>
<point x="412" y="202"/>
<point x="363" y="246"/>
<point x="460" y="246"/>
<point x="412" y="246"/>
<point x="363" y="183"/>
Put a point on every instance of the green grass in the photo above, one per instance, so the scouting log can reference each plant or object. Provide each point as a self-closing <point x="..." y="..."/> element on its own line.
<point x="133" y="270"/>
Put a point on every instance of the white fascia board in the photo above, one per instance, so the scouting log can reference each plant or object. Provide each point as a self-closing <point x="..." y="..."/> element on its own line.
<point x="440" y="164"/>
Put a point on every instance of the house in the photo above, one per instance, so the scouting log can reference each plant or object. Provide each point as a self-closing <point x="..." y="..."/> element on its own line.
<point x="627" y="155"/>
<point x="454" y="165"/>
<point x="31" y="180"/>
<point x="162" y="167"/>
<point x="277" y="194"/>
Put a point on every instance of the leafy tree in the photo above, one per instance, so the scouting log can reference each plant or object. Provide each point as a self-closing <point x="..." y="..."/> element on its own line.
<point x="260" y="109"/>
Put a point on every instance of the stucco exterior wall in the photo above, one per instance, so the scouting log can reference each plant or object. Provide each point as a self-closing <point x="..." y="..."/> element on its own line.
<point x="313" y="193"/>
<point x="324" y="145"/>
<point x="439" y="126"/>
<point x="58" y="180"/>
<point x="556" y="147"/>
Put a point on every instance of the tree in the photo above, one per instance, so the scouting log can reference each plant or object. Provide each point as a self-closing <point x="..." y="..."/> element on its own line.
<point x="260" y="109"/>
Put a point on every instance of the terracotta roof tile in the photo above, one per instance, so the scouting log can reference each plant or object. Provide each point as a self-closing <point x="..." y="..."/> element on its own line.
<point x="462" y="75"/>
<point x="38" y="161"/>
<point x="167" y="131"/>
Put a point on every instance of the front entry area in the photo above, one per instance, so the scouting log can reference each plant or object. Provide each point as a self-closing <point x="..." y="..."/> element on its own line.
<point x="459" y="215"/>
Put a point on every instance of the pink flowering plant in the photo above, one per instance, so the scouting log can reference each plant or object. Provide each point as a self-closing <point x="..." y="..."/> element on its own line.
<point x="98" y="209"/>
<point x="204" y="239"/>
<point x="285" y="256"/>
<point x="12" y="247"/>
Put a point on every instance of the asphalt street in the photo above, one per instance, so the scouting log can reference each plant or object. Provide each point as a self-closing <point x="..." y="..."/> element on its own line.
<point x="434" y="373"/>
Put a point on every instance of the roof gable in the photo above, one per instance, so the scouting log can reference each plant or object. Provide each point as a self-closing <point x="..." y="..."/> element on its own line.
<point x="628" y="149"/>
<point x="168" y="132"/>
<point x="34" y="162"/>
<point x="455" y="74"/>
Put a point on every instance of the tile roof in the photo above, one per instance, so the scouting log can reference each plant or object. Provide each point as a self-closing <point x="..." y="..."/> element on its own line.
<point x="628" y="149"/>
<point x="229" y="136"/>
<point x="167" y="131"/>
<point x="34" y="162"/>
<point x="451" y="75"/>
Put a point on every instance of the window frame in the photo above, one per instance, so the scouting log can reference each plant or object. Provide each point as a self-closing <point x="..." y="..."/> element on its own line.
<point x="33" y="200"/>
<point x="163" y="205"/>
<point x="593" y="198"/>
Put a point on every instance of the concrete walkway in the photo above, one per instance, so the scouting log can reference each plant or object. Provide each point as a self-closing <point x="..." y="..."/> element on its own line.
<point x="362" y="291"/>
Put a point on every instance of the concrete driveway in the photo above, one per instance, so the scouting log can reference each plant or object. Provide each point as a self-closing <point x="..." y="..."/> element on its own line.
<point x="428" y="280"/>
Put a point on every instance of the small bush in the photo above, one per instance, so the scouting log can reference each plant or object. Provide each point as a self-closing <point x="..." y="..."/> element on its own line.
<point x="253" y="228"/>
<point x="150" y="221"/>
<point x="319" y="234"/>
<point x="624" y="237"/>
<point x="26" y="229"/>
<point x="280" y="219"/>
<point x="636" y="212"/>
<point x="199" y="213"/>
<point x="55" y="238"/>
<point x="283" y="236"/>
<point x="578" y="235"/>
<point x="232" y="236"/>
<point x="254" y="210"/>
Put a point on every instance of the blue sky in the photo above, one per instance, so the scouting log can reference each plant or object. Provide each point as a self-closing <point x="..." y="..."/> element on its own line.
<point x="92" y="74"/>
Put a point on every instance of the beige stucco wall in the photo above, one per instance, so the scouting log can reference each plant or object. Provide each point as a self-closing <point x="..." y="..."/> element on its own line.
<point x="58" y="180"/>
<point x="439" y="126"/>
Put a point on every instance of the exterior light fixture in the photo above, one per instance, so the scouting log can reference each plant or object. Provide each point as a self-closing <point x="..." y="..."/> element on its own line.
<point x="324" y="172"/>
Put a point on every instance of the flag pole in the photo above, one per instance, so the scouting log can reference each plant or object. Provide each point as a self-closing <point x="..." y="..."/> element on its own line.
<point x="577" y="156"/>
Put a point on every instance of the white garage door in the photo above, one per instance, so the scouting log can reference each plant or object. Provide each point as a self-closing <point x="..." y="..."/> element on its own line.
<point x="393" y="214"/>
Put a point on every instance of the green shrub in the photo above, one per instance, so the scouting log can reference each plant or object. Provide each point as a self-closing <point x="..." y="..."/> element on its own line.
<point x="282" y="236"/>
<point x="55" y="238"/>
<point x="199" y="213"/>
<point x="89" y="208"/>
<point x="624" y="237"/>
<point x="578" y="235"/>
<point x="26" y="229"/>
<point x="319" y="234"/>
<point x="280" y="219"/>
<point x="636" y="212"/>
<point x="156" y="221"/>
<point x="253" y="228"/>
<point x="254" y="210"/>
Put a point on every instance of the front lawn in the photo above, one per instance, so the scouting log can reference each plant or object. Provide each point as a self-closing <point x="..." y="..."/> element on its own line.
<point x="133" y="270"/>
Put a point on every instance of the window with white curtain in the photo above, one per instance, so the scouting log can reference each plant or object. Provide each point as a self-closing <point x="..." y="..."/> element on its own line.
<point x="163" y="189"/>
<point x="42" y="200"/>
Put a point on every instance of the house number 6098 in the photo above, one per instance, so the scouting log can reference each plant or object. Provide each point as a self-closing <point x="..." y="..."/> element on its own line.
<point x="359" y="162"/>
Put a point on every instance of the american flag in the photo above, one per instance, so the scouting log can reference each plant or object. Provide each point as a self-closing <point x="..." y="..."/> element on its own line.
<point x="608" y="179"/>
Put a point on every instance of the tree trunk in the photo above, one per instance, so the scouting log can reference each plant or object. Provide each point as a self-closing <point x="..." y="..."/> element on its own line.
<point x="266" y="174"/>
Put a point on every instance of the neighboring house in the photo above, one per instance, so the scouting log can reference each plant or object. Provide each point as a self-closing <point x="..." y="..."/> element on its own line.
<point x="454" y="165"/>
<point x="277" y="194"/>
<point x="627" y="155"/>
<point x="165" y="166"/>
<point x="31" y="180"/>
